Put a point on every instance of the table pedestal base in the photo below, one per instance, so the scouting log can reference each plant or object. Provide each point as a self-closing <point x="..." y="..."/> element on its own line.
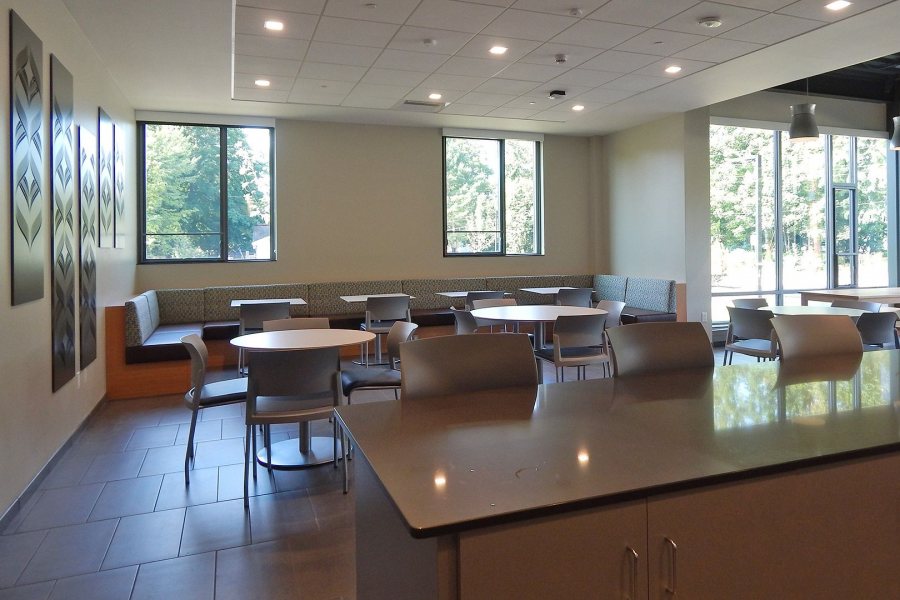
<point x="286" y="455"/>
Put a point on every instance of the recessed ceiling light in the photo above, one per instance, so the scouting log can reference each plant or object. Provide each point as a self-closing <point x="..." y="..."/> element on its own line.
<point x="499" y="50"/>
<point x="578" y="107"/>
<point x="262" y="83"/>
<point x="710" y="22"/>
<point x="673" y="69"/>
<point x="838" y="5"/>
<point x="274" y="25"/>
<point x="434" y="96"/>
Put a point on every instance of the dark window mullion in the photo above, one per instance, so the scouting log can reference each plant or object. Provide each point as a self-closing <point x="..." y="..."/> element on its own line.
<point x="502" y="150"/>
<point x="223" y="193"/>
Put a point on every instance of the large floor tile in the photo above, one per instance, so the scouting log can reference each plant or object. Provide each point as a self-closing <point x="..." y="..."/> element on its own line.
<point x="215" y="526"/>
<point x="152" y="437"/>
<point x="95" y="439"/>
<point x="15" y="552"/>
<point x="203" y="489"/>
<point x="188" y="577"/>
<point x="267" y="570"/>
<point x="205" y="431"/>
<point x="68" y="471"/>
<point x="218" y="453"/>
<point x="35" y="591"/>
<point x="231" y="482"/>
<point x="110" y="467"/>
<point x="145" y="538"/>
<point x="278" y="515"/>
<point x="329" y="502"/>
<point x="105" y="585"/>
<point x="222" y="412"/>
<point x="159" y="461"/>
<point x="127" y="497"/>
<point x="68" y="551"/>
<point x="63" y="506"/>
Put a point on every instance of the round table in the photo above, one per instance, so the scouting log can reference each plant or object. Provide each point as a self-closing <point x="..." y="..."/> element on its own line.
<point x="533" y="313"/>
<point x="306" y="451"/>
<point x="814" y="310"/>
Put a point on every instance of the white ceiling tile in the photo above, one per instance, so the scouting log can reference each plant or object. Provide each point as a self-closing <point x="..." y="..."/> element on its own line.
<point x="384" y="11"/>
<point x="313" y="70"/>
<point x="506" y="112"/>
<point x="771" y="29"/>
<point x="554" y="115"/>
<point x="455" y="16"/>
<point x="341" y="54"/>
<point x="645" y="13"/>
<point x="422" y="92"/>
<point x="501" y="3"/>
<point x="472" y="67"/>
<point x="357" y="33"/>
<point x="528" y="25"/>
<point x="605" y="96"/>
<point x="597" y="34"/>
<point x="460" y="83"/>
<point x="730" y="16"/>
<point x="660" y="42"/>
<point x="815" y="9"/>
<point x="635" y="83"/>
<point x="265" y="66"/>
<point x="382" y="91"/>
<point x="571" y="90"/>
<point x="315" y="97"/>
<point x="465" y="109"/>
<point x="479" y="98"/>
<point x="768" y="5"/>
<point x="445" y="42"/>
<point x="620" y="62"/>
<point x="495" y="85"/>
<point x="328" y="92"/>
<point x="394" y="77"/>
<point x="296" y="25"/>
<point x="479" y="46"/>
<point x="529" y="72"/>
<point x="569" y="104"/>
<point x="559" y="7"/>
<point x="313" y="7"/>
<point x="718" y="50"/>
<point x="259" y="95"/>
<point x="261" y="45"/>
<point x="357" y="100"/>
<point x="409" y="61"/>
<point x="532" y="102"/>
<point x="688" y="67"/>
<point x="547" y="54"/>
<point x="583" y="77"/>
<point x="276" y="82"/>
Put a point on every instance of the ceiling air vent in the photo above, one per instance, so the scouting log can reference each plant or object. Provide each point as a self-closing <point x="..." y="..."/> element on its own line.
<point x="420" y="105"/>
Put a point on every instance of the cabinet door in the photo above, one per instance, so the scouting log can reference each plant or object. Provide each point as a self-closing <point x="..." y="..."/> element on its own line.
<point x="824" y="532"/>
<point x="596" y="553"/>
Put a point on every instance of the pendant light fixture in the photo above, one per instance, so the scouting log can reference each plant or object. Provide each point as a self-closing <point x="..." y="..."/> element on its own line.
<point x="895" y="139"/>
<point x="803" y="122"/>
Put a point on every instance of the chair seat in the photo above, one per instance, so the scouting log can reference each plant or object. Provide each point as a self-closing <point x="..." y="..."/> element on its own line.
<point x="575" y="356"/>
<point x="353" y="379"/>
<point x="753" y="347"/>
<point x="221" y="392"/>
<point x="278" y="409"/>
<point x="377" y="326"/>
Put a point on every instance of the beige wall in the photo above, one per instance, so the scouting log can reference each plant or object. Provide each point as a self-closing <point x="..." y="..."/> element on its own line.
<point x="357" y="202"/>
<point x="34" y="421"/>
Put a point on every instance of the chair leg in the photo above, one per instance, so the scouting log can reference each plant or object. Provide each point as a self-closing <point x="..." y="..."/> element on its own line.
<point x="268" y="435"/>
<point x="725" y="358"/>
<point x="249" y="431"/>
<point x="346" y="456"/>
<point x="189" y="451"/>
<point x="334" y="437"/>
<point x="253" y="456"/>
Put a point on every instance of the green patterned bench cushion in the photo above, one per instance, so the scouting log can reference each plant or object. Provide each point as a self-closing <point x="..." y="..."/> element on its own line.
<point x="425" y="291"/>
<point x="324" y="298"/>
<point x="578" y="281"/>
<point x="180" y="306"/>
<point x="610" y="287"/>
<point x="650" y="294"/>
<point x="217" y="300"/>
<point x="514" y="284"/>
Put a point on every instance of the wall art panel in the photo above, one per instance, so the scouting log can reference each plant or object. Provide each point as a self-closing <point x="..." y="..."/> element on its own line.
<point x="90" y="230"/>
<point x="27" y="159"/>
<point x="119" y="184"/>
<point x="62" y="279"/>
<point x="107" y="201"/>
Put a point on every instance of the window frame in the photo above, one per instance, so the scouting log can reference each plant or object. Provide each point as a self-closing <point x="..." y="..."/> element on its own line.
<point x="538" y="185"/>
<point x="223" y="194"/>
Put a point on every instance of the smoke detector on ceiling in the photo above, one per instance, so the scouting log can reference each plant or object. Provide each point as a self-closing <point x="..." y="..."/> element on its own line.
<point x="710" y="22"/>
<point x="560" y="59"/>
<point x="557" y="94"/>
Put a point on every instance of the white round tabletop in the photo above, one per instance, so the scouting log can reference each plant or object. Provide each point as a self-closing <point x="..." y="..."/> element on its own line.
<point x="302" y="339"/>
<point x="532" y="313"/>
<point x="814" y="310"/>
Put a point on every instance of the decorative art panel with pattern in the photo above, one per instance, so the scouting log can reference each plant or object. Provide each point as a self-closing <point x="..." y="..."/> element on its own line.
<point x="90" y="229"/>
<point x="107" y="201"/>
<point x="119" y="185"/>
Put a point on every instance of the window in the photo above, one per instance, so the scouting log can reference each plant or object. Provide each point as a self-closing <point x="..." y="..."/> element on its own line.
<point x="492" y="197"/>
<point x="206" y="192"/>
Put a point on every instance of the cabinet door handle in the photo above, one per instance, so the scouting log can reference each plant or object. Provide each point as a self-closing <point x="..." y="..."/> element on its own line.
<point x="632" y="556"/>
<point x="673" y="555"/>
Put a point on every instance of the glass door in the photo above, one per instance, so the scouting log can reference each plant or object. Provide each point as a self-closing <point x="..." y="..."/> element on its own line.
<point x="846" y="253"/>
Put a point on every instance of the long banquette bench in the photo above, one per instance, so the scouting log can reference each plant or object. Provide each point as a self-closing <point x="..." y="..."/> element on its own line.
<point x="153" y="323"/>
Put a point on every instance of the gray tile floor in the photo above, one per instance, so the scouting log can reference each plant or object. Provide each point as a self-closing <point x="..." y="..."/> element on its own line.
<point x="114" y="520"/>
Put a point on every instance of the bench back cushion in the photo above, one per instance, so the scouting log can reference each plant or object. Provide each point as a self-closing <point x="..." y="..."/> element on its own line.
<point x="217" y="300"/>
<point x="514" y="286"/>
<point x="141" y="318"/>
<point x="610" y="287"/>
<point x="425" y="291"/>
<point x="651" y="294"/>
<point x="324" y="298"/>
<point x="180" y="306"/>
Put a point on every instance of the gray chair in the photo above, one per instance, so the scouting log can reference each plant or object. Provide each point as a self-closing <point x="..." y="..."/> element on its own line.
<point x="472" y="296"/>
<point x="297" y="323"/>
<point x="642" y="348"/>
<point x="205" y="394"/>
<point x="490" y="303"/>
<point x="464" y="322"/>
<point x="458" y="364"/>
<point x="750" y="302"/>
<point x="860" y="304"/>
<point x="252" y="318"/>
<point x="289" y="387"/>
<point x="354" y="380"/>
<point x="750" y="332"/>
<point x="381" y="313"/>
<point x="578" y="341"/>
<point x="575" y="297"/>
<point x="878" y="330"/>
<point x="803" y="336"/>
<point x="613" y="310"/>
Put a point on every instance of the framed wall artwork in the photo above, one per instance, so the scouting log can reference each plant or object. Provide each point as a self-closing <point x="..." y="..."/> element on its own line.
<point x="105" y="165"/>
<point x="90" y="232"/>
<point x="26" y="162"/>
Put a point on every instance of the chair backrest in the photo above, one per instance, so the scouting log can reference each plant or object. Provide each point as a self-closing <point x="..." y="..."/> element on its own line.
<point x="750" y="302"/>
<point x="199" y="354"/>
<point x="457" y="364"/>
<point x="472" y="296"/>
<point x="750" y="323"/>
<point x="860" y="304"/>
<point x="294" y="374"/>
<point x="575" y="297"/>
<point x="465" y="322"/>
<point x="401" y="331"/>
<point x="579" y="331"/>
<point x="613" y="310"/>
<point x="387" y="308"/>
<point x="489" y="302"/>
<point x="816" y="335"/>
<point x="877" y="329"/>
<point x="661" y="346"/>
<point x="254" y="315"/>
<point x="297" y="323"/>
